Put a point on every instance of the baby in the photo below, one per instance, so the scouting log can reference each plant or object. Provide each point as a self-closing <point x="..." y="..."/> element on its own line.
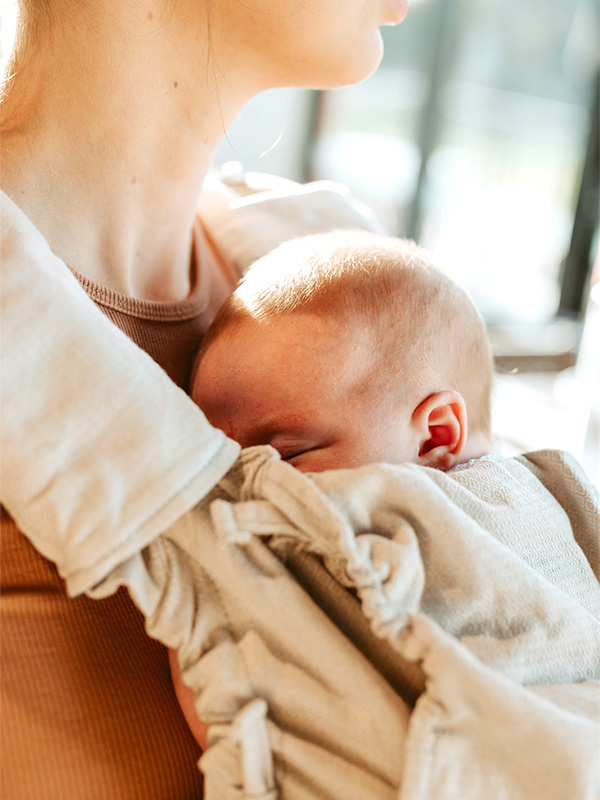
<point x="343" y="349"/>
<point x="348" y="348"/>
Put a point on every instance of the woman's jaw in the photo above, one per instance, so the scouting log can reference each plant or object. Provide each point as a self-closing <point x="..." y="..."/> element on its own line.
<point x="310" y="44"/>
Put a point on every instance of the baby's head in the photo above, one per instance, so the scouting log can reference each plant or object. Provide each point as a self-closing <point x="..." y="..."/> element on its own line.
<point x="348" y="348"/>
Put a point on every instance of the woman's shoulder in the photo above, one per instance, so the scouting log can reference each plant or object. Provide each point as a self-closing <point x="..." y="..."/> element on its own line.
<point x="250" y="213"/>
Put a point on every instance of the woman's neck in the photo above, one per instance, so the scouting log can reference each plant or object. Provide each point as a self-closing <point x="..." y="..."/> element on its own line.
<point x="106" y="141"/>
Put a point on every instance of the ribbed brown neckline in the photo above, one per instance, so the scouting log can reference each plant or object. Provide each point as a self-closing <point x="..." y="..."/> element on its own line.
<point x="157" y="310"/>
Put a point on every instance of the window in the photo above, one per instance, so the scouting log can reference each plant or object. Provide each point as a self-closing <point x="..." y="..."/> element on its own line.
<point x="471" y="138"/>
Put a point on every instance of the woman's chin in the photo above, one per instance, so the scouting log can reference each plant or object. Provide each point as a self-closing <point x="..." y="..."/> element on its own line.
<point x="345" y="72"/>
<point x="328" y="69"/>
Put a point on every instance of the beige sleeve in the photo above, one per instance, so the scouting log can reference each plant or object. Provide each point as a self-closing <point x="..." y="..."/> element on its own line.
<point x="100" y="450"/>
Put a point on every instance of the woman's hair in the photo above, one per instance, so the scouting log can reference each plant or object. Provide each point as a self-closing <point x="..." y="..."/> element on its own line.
<point x="31" y="20"/>
<point x="425" y="331"/>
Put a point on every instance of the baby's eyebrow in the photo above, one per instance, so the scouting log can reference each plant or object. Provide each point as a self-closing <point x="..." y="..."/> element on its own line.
<point x="282" y="424"/>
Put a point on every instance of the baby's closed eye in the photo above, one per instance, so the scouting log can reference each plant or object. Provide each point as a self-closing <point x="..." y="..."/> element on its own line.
<point x="289" y="452"/>
<point x="296" y="450"/>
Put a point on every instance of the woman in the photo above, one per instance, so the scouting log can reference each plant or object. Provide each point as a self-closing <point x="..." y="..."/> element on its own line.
<point x="111" y="115"/>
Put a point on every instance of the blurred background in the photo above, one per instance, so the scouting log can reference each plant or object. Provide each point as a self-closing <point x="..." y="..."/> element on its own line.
<point x="478" y="137"/>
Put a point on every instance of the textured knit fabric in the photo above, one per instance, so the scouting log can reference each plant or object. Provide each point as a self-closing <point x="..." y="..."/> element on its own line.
<point x="88" y="708"/>
<point x="484" y="576"/>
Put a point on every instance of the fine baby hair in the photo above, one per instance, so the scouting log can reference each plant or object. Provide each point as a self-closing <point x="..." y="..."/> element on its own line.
<point x="426" y="333"/>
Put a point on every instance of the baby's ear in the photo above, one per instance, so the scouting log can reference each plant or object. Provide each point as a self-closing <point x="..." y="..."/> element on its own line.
<point x="441" y="424"/>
